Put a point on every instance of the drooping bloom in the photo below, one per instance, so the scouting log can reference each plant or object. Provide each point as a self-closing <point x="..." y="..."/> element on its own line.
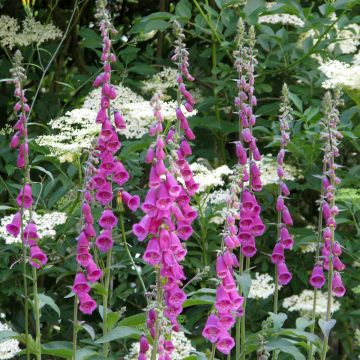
<point x="284" y="219"/>
<point x="329" y="249"/>
<point x="24" y="200"/>
<point x="168" y="213"/>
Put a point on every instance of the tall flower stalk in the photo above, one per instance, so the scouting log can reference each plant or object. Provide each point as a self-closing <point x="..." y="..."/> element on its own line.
<point x="250" y="224"/>
<point x="330" y="249"/>
<point x="103" y="171"/>
<point x="284" y="240"/>
<point x="229" y="302"/>
<point x="28" y="232"/>
<point x="168" y="213"/>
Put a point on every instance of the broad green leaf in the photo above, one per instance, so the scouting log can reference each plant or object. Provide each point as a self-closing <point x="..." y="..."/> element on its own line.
<point x="203" y="300"/>
<point x="47" y="300"/>
<point x="62" y="349"/>
<point x="7" y="334"/>
<point x="326" y="326"/>
<point x="278" y="319"/>
<point x="90" y="330"/>
<point x="183" y="9"/>
<point x="119" y="332"/>
<point x="245" y="283"/>
<point x="285" y="346"/>
<point x="135" y="320"/>
<point x="302" y="323"/>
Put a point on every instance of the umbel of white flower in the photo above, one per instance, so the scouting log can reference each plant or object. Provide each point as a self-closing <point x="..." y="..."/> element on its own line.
<point x="30" y="32"/>
<point x="45" y="223"/>
<point x="76" y="130"/>
<point x="8" y="348"/>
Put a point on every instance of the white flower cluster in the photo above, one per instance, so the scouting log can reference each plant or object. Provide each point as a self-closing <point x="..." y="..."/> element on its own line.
<point x="340" y="74"/>
<point x="8" y="348"/>
<point x="160" y="82"/>
<point x="304" y="303"/>
<point x="262" y="286"/>
<point x="183" y="348"/>
<point x="45" y="225"/>
<point x="209" y="178"/>
<point x="75" y="131"/>
<point x="32" y="32"/>
<point x="268" y="167"/>
<point x="285" y="19"/>
<point x="308" y="248"/>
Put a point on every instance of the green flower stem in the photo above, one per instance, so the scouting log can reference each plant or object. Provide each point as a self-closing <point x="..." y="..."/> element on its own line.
<point x="75" y="326"/>
<point x="157" y="322"/>
<point x="318" y="242"/>
<point x="105" y="300"/>
<point x="123" y="234"/>
<point x="36" y="314"/>
<point x="243" y="318"/>
<point x="213" y="348"/>
<point x="238" y="341"/>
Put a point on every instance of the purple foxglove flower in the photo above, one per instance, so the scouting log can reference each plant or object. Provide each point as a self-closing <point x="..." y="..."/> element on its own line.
<point x="280" y="204"/>
<point x="284" y="275"/>
<point x="236" y="300"/>
<point x="225" y="343"/>
<point x="80" y="284"/>
<point x="226" y="321"/>
<point x="248" y="248"/>
<point x="212" y="329"/>
<point x="229" y="282"/>
<point x="176" y="296"/>
<point x="172" y="185"/>
<point x="144" y="344"/>
<point x="336" y="249"/>
<point x="258" y="227"/>
<point x="120" y="175"/>
<point x="221" y="267"/>
<point x="246" y="134"/>
<point x="338" y="264"/>
<point x="104" y="241"/>
<point x="104" y="194"/>
<point x="317" y="279"/>
<point x="284" y="189"/>
<point x="152" y="254"/>
<point x="37" y="257"/>
<point x="150" y="155"/>
<point x="184" y="231"/>
<point x="30" y="234"/>
<point x="223" y="302"/>
<point x="14" y="227"/>
<point x="83" y="257"/>
<point x="108" y="220"/>
<point x="131" y="201"/>
<point x="286" y="239"/>
<point x="14" y="143"/>
<point x="338" y="288"/>
<point x="278" y="254"/>
<point x="87" y="304"/>
<point x="287" y="219"/>
<point x="93" y="272"/>
<point x="24" y="199"/>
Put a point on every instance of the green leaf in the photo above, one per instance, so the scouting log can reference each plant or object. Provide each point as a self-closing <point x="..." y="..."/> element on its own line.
<point x="245" y="283"/>
<point x="326" y="326"/>
<point x="47" y="172"/>
<point x="7" y="334"/>
<point x="203" y="300"/>
<point x="113" y="318"/>
<point x="159" y="25"/>
<point x="285" y="346"/>
<point x="254" y="6"/>
<point x="135" y="320"/>
<point x="47" y="300"/>
<point x="62" y="349"/>
<point x="296" y="100"/>
<point x="89" y="329"/>
<point x="5" y="207"/>
<point x="183" y="9"/>
<point x="302" y="323"/>
<point x="278" y="319"/>
<point x="120" y="332"/>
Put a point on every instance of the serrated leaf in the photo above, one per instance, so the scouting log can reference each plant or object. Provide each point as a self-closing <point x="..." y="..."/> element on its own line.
<point x="326" y="326"/>
<point x="47" y="300"/>
<point x="120" y="332"/>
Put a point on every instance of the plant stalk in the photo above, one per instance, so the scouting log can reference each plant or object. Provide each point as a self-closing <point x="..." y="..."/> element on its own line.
<point x="157" y="322"/>
<point x="37" y="314"/>
<point x="105" y="301"/>
<point x="75" y="330"/>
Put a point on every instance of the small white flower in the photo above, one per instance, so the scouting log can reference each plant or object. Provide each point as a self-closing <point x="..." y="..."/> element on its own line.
<point x="304" y="303"/>
<point x="8" y="348"/>
<point x="45" y="225"/>
<point x="262" y="286"/>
